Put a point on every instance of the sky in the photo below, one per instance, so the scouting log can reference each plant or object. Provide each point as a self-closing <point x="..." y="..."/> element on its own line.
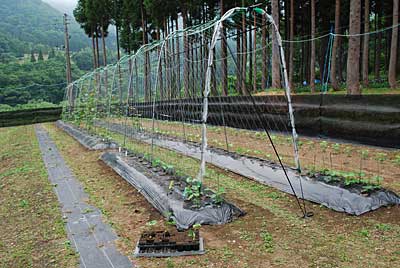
<point x="63" y="5"/>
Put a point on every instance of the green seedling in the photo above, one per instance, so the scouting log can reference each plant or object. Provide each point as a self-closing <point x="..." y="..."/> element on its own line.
<point x="364" y="154"/>
<point x="336" y="148"/>
<point x="300" y="144"/>
<point x="383" y="227"/>
<point x="324" y="146"/>
<point x="377" y="179"/>
<point x="348" y="151"/>
<point x="364" y="233"/>
<point x="192" y="231"/>
<point x="193" y="191"/>
<point x="218" y="197"/>
<point x="267" y="241"/>
<point x="381" y="157"/>
<point x="151" y="223"/>
<point x="23" y="203"/>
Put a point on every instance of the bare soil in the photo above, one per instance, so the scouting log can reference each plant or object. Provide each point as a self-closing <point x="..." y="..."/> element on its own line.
<point x="271" y="234"/>
<point x="315" y="153"/>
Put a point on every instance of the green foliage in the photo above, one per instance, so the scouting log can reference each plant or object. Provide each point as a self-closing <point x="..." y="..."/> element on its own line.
<point x="324" y="146"/>
<point x="268" y="242"/>
<point x="151" y="223"/>
<point x="351" y="178"/>
<point x="33" y="25"/>
<point x="348" y="151"/>
<point x="33" y="58"/>
<point x="21" y="83"/>
<point x="364" y="154"/>
<point x="364" y="233"/>
<point x="193" y="191"/>
<point x="192" y="231"/>
<point x="381" y="157"/>
<point x="336" y="148"/>
<point x="28" y="106"/>
<point x="40" y="57"/>
<point x="397" y="159"/>
<point x="218" y="197"/>
<point x="383" y="227"/>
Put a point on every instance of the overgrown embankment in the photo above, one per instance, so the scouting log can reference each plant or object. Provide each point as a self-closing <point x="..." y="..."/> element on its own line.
<point x="30" y="116"/>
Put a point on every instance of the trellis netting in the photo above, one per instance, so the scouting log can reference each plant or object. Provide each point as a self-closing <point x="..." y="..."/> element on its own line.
<point x="195" y="93"/>
<point x="177" y="94"/>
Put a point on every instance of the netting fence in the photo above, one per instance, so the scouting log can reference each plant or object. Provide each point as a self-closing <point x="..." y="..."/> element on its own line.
<point x="191" y="93"/>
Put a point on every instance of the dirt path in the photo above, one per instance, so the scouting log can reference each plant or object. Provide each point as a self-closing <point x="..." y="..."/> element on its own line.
<point x="89" y="235"/>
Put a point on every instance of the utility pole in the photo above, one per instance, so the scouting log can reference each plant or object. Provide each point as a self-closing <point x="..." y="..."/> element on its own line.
<point x="68" y="61"/>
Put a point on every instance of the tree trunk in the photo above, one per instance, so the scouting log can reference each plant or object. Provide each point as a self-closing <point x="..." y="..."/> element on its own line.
<point x="291" y="48"/>
<point x="185" y="62"/>
<point x="98" y="78"/>
<point x="255" y="54"/>
<point x="166" y="60"/>
<point x="94" y="53"/>
<point x="334" y="81"/>
<point x="312" y="60"/>
<point x="224" y="53"/>
<point x="97" y="49"/>
<point x="238" y="61"/>
<point x="365" y="60"/>
<point x="378" y="41"/>
<point x="264" y="53"/>
<point x="118" y="43"/>
<point x="353" y="59"/>
<point x="146" y="63"/>
<point x="178" y="59"/>
<point x="276" y="70"/>
<point x="119" y="57"/>
<point x="103" y="39"/>
<point x="244" y="55"/>
<point x="160" y="68"/>
<point x="394" y="45"/>
<point x="130" y="89"/>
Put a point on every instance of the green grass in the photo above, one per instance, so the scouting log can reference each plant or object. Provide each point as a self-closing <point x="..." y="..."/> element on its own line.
<point x="32" y="232"/>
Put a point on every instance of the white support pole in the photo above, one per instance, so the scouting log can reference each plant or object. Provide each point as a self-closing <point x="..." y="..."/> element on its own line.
<point x="216" y="34"/>
<point x="288" y="92"/>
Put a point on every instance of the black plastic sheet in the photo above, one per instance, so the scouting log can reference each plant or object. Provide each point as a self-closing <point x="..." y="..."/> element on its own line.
<point x="170" y="205"/>
<point x="339" y="199"/>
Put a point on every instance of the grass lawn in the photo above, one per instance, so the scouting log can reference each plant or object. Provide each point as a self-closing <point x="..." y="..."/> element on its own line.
<point x="32" y="230"/>
<point x="270" y="235"/>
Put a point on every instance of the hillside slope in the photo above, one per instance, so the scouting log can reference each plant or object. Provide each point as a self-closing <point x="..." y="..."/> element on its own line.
<point x="33" y="24"/>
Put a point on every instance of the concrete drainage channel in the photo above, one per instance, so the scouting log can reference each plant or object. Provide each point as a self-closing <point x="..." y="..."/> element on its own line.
<point x="89" y="235"/>
<point x="349" y="200"/>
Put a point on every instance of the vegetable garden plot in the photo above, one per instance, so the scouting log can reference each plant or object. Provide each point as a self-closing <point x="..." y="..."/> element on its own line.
<point x="328" y="189"/>
<point x="182" y="200"/>
<point x="92" y="142"/>
<point x="221" y="63"/>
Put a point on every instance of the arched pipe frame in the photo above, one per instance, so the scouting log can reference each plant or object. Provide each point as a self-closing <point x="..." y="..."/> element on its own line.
<point x="217" y="26"/>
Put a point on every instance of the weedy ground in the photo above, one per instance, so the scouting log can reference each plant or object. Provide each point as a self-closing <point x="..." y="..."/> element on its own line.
<point x="272" y="234"/>
<point x="32" y="232"/>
